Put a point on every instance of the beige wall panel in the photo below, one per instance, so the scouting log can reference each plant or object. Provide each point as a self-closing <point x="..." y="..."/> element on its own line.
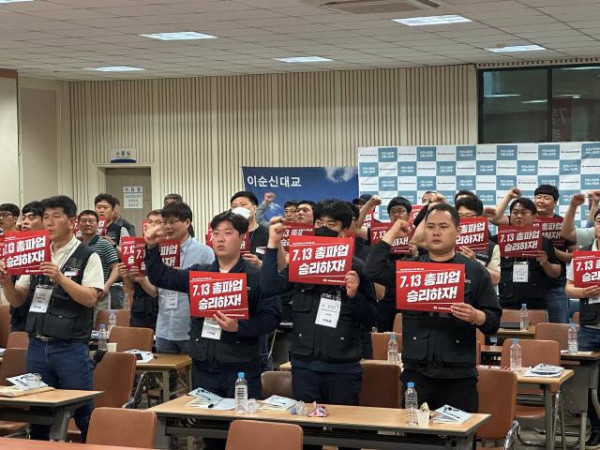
<point x="197" y="133"/>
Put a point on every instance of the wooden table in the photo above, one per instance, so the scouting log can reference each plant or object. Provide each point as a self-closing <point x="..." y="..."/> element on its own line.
<point x="288" y="365"/>
<point x="26" y="444"/>
<point x="163" y="364"/>
<point x="507" y="333"/>
<point x="53" y="408"/>
<point x="355" y="426"/>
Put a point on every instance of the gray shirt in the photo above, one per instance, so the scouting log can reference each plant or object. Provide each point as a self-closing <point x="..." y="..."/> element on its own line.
<point x="173" y="322"/>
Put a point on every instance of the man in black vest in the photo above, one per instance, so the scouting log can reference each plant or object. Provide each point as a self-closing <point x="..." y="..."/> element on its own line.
<point x="589" y="319"/>
<point x="221" y="347"/>
<point x="439" y="349"/>
<point x="325" y="359"/>
<point x="59" y="322"/>
<point x="105" y="205"/>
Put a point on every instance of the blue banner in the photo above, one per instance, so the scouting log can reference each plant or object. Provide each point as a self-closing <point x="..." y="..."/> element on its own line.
<point x="300" y="183"/>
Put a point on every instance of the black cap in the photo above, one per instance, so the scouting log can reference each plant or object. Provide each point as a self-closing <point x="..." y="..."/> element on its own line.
<point x="362" y="199"/>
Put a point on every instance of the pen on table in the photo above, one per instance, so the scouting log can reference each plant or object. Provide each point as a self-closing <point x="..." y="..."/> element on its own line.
<point x="211" y="405"/>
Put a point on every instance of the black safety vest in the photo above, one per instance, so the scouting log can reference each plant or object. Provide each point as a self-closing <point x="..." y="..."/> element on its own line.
<point x="65" y="319"/>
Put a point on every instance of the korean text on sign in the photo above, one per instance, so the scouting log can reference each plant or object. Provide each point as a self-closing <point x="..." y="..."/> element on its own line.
<point x="24" y="251"/>
<point x="225" y="292"/>
<point x="295" y="229"/>
<point x="432" y="287"/>
<point x="586" y="268"/>
<point x="551" y="229"/>
<point x="320" y="260"/>
<point x="399" y="245"/>
<point x="133" y="252"/>
<point x="473" y="234"/>
<point x="519" y="242"/>
<point x="273" y="181"/>
<point x="170" y="252"/>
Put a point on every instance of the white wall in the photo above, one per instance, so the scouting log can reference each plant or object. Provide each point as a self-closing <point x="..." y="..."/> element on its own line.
<point x="9" y="138"/>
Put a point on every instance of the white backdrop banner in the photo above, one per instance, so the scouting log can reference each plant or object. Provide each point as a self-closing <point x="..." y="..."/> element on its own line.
<point x="489" y="170"/>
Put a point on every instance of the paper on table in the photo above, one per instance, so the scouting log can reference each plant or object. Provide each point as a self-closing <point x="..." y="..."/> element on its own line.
<point x="545" y="371"/>
<point x="278" y="402"/>
<point x="204" y="396"/>
<point x="141" y="356"/>
<point x="225" y="404"/>
<point x="566" y="352"/>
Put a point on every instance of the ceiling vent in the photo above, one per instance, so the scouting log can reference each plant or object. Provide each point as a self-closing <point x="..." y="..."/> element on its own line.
<point x="375" y="6"/>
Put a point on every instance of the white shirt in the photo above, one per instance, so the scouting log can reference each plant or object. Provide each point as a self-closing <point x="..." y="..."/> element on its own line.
<point x="92" y="275"/>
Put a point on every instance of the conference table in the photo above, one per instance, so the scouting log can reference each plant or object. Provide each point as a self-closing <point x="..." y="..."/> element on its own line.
<point x="53" y="408"/>
<point x="357" y="426"/>
<point x="163" y="364"/>
<point x="26" y="444"/>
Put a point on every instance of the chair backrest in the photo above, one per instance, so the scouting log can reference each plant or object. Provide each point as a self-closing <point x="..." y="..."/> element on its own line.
<point x="14" y="362"/>
<point x="380" y="343"/>
<point x="128" y="338"/>
<point x="122" y="315"/>
<point x="381" y="386"/>
<point x="254" y="434"/>
<point x="497" y="397"/>
<point x="535" y="316"/>
<point x="114" y="375"/>
<point x="553" y="332"/>
<point x="397" y="328"/>
<point x="576" y="317"/>
<point x="533" y="352"/>
<point x="276" y="382"/>
<point x="123" y="427"/>
<point x="17" y="339"/>
<point x="4" y="324"/>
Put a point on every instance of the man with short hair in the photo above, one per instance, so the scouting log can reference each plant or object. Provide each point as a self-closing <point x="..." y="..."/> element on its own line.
<point x="88" y="225"/>
<point x="31" y="220"/>
<point x="120" y="221"/>
<point x="173" y="322"/>
<point x="304" y="212"/>
<point x="325" y="360"/>
<point x="221" y="346"/>
<point x="176" y="198"/>
<point x="105" y="205"/>
<point x="289" y="211"/>
<point x="60" y="322"/>
<point x="144" y="306"/>
<point x="438" y="349"/>
<point x="246" y="204"/>
<point x="9" y="216"/>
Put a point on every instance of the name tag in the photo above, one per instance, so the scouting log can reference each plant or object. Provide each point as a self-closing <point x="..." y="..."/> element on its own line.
<point x="71" y="273"/>
<point x="41" y="299"/>
<point x="171" y="300"/>
<point x="593" y="300"/>
<point x="261" y="250"/>
<point x="521" y="272"/>
<point x="329" y="311"/>
<point x="211" y="329"/>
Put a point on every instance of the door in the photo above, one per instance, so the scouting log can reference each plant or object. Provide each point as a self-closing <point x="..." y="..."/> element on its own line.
<point x="133" y="188"/>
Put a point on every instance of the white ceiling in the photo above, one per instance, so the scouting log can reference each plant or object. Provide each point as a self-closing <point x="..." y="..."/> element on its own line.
<point x="61" y="38"/>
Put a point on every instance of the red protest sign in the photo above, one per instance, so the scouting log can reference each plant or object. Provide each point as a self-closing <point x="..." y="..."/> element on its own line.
<point x="320" y="260"/>
<point x="586" y="268"/>
<point x="519" y="242"/>
<point x="295" y="229"/>
<point x="170" y="252"/>
<point x="474" y="233"/>
<point x="414" y="211"/>
<point x="369" y="218"/>
<point x="245" y="247"/>
<point x="24" y="251"/>
<point x="133" y="251"/>
<point x="212" y="291"/>
<point x="433" y="287"/>
<point x="399" y="246"/>
<point x="551" y="229"/>
<point x="102" y="226"/>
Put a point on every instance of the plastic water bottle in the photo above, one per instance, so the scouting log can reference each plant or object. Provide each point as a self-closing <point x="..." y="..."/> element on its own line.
<point x="125" y="301"/>
<point x="102" y="338"/>
<point x="112" y="322"/>
<point x="241" y="393"/>
<point x="524" y="316"/>
<point x="411" y="404"/>
<point x="515" y="355"/>
<point x="392" y="356"/>
<point x="573" y="346"/>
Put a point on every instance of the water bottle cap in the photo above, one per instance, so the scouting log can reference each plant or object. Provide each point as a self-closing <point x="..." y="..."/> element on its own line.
<point x="102" y="326"/>
<point x="393" y="337"/>
<point x="410" y="384"/>
<point x="241" y="375"/>
<point x="523" y="305"/>
<point x="515" y="341"/>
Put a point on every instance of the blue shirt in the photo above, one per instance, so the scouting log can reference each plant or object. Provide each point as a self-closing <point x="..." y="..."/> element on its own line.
<point x="173" y="322"/>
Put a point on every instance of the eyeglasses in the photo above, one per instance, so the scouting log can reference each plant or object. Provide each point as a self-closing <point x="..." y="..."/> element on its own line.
<point x="171" y="222"/>
<point x="86" y="221"/>
<point x="6" y="214"/>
